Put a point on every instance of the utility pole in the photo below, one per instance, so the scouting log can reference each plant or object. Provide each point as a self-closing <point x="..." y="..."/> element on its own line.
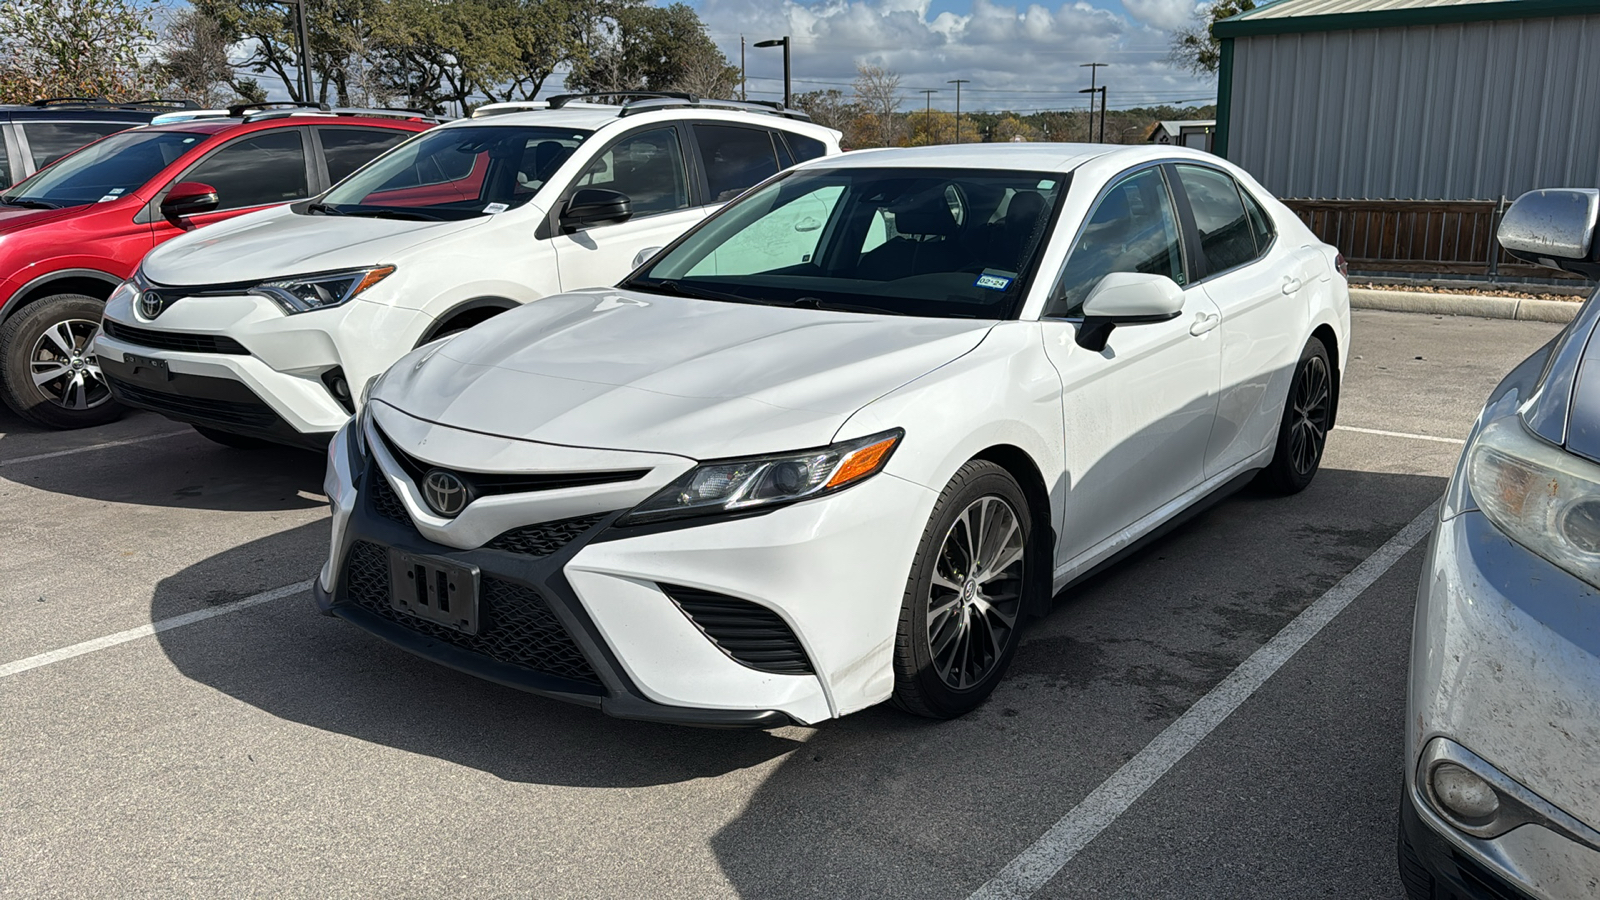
<point x="1101" y="90"/>
<point x="958" y="82"/>
<point x="927" y="114"/>
<point x="1094" y="69"/>
<point x="741" y="68"/>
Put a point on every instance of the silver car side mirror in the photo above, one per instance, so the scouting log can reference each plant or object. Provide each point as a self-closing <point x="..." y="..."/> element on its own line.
<point x="1553" y="228"/>
<point x="643" y="256"/>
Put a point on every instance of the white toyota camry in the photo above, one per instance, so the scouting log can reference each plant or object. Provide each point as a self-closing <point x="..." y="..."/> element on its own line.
<point x="838" y="443"/>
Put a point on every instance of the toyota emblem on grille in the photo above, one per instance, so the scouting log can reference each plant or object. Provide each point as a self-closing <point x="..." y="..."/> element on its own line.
<point x="445" y="492"/>
<point x="150" y="304"/>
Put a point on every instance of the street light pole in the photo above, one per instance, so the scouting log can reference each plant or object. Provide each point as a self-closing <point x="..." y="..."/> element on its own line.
<point x="305" y="48"/>
<point x="741" y="69"/>
<point x="1101" y="90"/>
<point x="927" y="113"/>
<point x="788" y="93"/>
<point x="958" y="82"/>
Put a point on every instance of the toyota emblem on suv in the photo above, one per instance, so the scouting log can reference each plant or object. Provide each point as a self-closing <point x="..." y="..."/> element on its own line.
<point x="150" y="304"/>
<point x="445" y="492"/>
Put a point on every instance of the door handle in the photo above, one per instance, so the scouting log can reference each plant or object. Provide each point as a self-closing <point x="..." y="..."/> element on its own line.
<point x="1290" y="284"/>
<point x="1204" y="322"/>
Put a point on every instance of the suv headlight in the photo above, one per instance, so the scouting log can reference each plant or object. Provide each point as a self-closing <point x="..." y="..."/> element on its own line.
<point x="755" y="482"/>
<point x="320" y="291"/>
<point x="1543" y="498"/>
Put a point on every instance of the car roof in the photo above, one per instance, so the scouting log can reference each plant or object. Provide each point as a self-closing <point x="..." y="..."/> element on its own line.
<point x="221" y="124"/>
<point x="1033" y="157"/>
<point x="594" y="116"/>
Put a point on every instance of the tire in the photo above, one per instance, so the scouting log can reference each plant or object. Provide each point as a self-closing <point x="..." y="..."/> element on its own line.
<point x="47" y="337"/>
<point x="1416" y="878"/>
<point x="1303" y="431"/>
<point x="977" y="615"/>
<point x="229" y="439"/>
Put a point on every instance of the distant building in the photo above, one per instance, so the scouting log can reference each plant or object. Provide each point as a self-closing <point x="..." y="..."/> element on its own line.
<point x="1195" y="133"/>
<point x="1412" y="99"/>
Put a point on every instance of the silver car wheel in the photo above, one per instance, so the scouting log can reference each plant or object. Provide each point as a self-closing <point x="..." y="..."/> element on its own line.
<point x="976" y="593"/>
<point x="62" y="368"/>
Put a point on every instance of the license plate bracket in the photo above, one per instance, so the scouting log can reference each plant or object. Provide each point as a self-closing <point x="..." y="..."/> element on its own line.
<point x="147" y="367"/>
<point x="434" y="589"/>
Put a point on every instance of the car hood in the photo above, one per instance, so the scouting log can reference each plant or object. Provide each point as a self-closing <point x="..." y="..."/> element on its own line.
<point x="16" y="218"/>
<point x="625" y="370"/>
<point x="277" y="242"/>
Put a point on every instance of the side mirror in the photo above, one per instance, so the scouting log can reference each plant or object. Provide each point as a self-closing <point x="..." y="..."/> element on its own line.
<point x="595" y="206"/>
<point x="1127" y="298"/>
<point x="1554" y="228"/>
<point x="643" y="256"/>
<point x="187" y="198"/>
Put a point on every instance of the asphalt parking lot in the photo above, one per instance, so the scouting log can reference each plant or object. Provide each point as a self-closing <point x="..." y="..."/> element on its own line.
<point x="257" y="749"/>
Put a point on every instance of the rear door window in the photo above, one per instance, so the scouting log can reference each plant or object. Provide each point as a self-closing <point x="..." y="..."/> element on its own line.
<point x="49" y="141"/>
<point x="1260" y="222"/>
<point x="348" y="149"/>
<point x="5" y="163"/>
<point x="805" y="148"/>
<point x="256" y="171"/>
<point x="735" y="158"/>
<point x="1226" y="238"/>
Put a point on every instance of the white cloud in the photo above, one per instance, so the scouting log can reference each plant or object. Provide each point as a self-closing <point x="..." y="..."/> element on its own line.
<point x="1019" y="57"/>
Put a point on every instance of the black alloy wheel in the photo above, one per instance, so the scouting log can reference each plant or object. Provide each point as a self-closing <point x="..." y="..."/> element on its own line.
<point x="1307" y="418"/>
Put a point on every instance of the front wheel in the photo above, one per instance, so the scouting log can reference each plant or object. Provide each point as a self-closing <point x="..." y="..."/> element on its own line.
<point x="1307" y="417"/>
<point x="962" y="614"/>
<point x="49" y="375"/>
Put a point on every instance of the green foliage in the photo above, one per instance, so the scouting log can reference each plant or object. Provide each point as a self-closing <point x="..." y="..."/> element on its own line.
<point x="652" y="48"/>
<point x="75" y="48"/>
<point x="1193" y="48"/>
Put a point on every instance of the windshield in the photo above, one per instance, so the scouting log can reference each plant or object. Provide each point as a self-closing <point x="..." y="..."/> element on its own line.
<point x="456" y="173"/>
<point x="912" y="241"/>
<point x="105" y="170"/>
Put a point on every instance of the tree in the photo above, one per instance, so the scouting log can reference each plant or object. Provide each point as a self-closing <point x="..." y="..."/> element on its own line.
<point x="827" y="108"/>
<point x="646" y="48"/>
<point x="931" y="127"/>
<point x="1193" y="48"/>
<point x="709" y="76"/>
<point x="194" y="60"/>
<point x="75" y="48"/>
<point x="879" y="99"/>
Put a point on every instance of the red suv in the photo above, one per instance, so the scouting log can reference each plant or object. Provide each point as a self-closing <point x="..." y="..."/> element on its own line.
<point x="75" y="230"/>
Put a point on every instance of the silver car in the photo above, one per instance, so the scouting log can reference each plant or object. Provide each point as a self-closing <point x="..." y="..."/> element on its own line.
<point x="1502" y="781"/>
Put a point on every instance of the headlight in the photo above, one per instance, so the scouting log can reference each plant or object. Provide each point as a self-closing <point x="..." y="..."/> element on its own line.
<point x="1541" y="497"/>
<point x="732" y="485"/>
<point x="321" y="291"/>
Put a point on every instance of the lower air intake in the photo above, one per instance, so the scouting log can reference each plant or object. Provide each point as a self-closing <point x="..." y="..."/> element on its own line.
<point x="748" y="632"/>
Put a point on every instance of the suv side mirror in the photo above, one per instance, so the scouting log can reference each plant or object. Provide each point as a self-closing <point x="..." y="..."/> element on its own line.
<point x="1555" y="228"/>
<point x="1127" y="298"/>
<point x="188" y="198"/>
<point x="595" y="206"/>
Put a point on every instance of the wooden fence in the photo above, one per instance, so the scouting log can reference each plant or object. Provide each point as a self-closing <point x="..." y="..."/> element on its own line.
<point x="1416" y="236"/>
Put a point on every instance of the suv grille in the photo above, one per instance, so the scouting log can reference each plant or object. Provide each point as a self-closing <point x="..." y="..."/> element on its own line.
<point x="221" y="412"/>
<point x="545" y="538"/>
<point x="173" y="340"/>
<point x="748" y="632"/>
<point x="515" y="625"/>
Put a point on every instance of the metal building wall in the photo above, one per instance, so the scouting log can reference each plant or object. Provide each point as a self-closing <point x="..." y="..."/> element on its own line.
<point x="1466" y="111"/>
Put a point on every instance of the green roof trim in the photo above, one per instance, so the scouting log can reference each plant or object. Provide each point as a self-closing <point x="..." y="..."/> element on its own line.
<point x="1219" y="138"/>
<point x="1244" y="26"/>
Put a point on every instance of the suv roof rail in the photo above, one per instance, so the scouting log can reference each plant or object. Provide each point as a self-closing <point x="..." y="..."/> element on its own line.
<point x="386" y="112"/>
<point x="561" y="100"/>
<point x="42" y="102"/>
<point x="240" y="109"/>
<point x="188" y="115"/>
<point x="647" y="101"/>
<point x="501" y="107"/>
<point x="101" y="102"/>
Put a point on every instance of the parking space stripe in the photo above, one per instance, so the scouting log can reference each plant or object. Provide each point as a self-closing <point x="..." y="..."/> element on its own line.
<point x="1400" y="434"/>
<point x="138" y="440"/>
<point x="1040" y="862"/>
<point x="133" y="634"/>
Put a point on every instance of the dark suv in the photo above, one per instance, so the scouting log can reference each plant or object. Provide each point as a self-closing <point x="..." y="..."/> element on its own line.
<point x="76" y="229"/>
<point x="37" y="134"/>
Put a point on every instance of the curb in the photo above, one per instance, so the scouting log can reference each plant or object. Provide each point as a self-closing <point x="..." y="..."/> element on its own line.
<point x="1557" y="311"/>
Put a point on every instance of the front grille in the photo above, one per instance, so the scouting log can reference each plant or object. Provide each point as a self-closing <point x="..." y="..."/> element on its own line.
<point x="748" y="632"/>
<point x="385" y="502"/>
<point x="545" y="538"/>
<point x="515" y="625"/>
<point x="484" y="483"/>
<point x="220" y="412"/>
<point x="174" y="340"/>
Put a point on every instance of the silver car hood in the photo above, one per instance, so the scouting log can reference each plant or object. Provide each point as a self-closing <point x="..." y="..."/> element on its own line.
<point x="624" y="370"/>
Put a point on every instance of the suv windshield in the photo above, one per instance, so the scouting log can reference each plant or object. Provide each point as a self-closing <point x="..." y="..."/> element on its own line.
<point x="106" y="170"/>
<point x="911" y="241"/>
<point x="456" y="173"/>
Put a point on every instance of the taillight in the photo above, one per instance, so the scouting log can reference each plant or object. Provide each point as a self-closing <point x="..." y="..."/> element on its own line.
<point x="1342" y="266"/>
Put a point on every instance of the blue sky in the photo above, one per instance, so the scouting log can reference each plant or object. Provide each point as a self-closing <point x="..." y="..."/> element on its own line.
<point x="1021" y="56"/>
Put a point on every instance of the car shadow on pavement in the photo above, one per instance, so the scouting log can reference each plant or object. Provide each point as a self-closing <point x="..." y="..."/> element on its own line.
<point x="183" y="471"/>
<point x="293" y="663"/>
<point x="885" y="804"/>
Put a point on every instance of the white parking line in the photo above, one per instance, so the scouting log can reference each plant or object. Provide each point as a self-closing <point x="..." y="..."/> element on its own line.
<point x="133" y="634"/>
<point x="138" y="440"/>
<point x="1400" y="434"/>
<point x="1036" y="865"/>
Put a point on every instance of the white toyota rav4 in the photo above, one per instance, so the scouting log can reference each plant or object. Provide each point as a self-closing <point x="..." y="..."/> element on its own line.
<point x="266" y="328"/>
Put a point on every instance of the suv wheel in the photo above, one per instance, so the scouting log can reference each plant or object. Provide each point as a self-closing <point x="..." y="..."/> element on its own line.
<point x="49" y="377"/>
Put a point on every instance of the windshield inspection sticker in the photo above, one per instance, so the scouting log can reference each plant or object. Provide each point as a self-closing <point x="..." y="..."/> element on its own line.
<point x="107" y="197"/>
<point x="493" y="208"/>
<point x="993" y="280"/>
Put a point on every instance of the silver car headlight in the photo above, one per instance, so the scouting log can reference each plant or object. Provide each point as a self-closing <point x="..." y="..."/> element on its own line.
<point x="755" y="482"/>
<point x="1543" y="498"/>
<point x="323" y="290"/>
